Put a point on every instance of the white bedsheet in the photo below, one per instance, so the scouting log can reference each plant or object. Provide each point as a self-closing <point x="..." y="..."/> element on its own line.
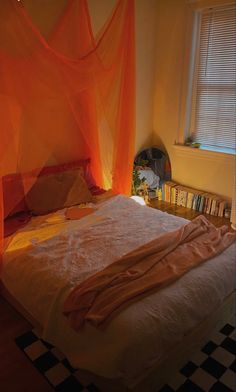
<point x="41" y="274"/>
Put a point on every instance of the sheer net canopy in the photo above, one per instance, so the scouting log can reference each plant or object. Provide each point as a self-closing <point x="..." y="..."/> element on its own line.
<point x="70" y="94"/>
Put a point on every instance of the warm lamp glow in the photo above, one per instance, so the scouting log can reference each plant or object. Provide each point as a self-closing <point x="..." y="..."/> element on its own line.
<point x="29" y="238"/>
<point x="138" y="200"/>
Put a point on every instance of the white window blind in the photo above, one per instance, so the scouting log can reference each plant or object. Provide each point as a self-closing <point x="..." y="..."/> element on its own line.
<point x="213" y="116"/>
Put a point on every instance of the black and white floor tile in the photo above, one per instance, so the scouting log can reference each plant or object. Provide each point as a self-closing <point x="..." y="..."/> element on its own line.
<point x="212" y="369"/>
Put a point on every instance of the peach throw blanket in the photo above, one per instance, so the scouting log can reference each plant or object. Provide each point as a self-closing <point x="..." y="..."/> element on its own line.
<point x="150" y="267"/>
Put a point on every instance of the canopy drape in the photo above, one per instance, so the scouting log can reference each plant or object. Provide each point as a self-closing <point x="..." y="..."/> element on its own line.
<point x="69" y="94"/>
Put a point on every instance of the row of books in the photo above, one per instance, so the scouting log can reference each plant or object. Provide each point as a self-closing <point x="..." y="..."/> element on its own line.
<point x="204" y="202"/>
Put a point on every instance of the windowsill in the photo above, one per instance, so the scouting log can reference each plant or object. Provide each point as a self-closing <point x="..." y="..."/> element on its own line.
<point x="221" y="150"/>
<point x="201" y="153"/>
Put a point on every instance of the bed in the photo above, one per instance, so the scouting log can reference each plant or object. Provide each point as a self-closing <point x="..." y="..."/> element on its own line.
<point x="140" y="346"/>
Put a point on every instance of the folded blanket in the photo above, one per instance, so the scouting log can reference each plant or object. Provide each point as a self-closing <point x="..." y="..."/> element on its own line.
<point x="150" y="267"/>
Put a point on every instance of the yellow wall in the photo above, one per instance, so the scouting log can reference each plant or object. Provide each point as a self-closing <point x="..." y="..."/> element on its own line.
<point x="212" y="172"/>
<point x="145" y="70"/>
<point x="45" y="13"/>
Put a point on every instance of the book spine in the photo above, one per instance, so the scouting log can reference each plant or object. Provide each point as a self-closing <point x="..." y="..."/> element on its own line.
<point x="202" y="199"/>
<point x="194" y="202"/>
<point x="206" y="205"/>
<point x="198" y="202"/>
<point x="221" y="209"/>
<point x="189" y="200"/>
<point x="176" y="195"/>
<point x="183" y="198"/>
<point x="209" y="206"/>
<point x="180" y="197"/>
<point x="213" y="206"/>
<point x="173" y="193"/>
<point x="217" y="207"/>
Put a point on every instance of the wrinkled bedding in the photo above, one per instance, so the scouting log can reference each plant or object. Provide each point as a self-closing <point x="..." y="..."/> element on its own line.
<point x="46" y="259"/>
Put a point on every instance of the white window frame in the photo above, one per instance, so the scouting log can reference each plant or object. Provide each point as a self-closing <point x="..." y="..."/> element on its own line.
<point x="198" y="6"/>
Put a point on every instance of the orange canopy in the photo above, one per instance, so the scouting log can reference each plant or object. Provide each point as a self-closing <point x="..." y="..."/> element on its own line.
<point x="68" y="94"/>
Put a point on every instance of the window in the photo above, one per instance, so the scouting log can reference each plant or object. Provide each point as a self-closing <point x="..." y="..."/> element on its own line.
<point x="213" y="113"/>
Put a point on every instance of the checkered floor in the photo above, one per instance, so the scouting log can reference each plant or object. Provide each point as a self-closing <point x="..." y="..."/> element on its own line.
<point x="211" y="369"/>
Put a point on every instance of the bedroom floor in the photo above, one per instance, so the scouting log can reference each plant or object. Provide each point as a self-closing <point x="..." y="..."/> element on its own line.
<point x="215" y="369"/>
<point x="16" y="372"/>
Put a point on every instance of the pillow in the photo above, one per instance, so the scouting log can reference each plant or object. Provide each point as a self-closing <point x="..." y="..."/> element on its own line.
<point x="13" y="191"/>
<point x="12" y="224"/>
<point x="55" y="191"/>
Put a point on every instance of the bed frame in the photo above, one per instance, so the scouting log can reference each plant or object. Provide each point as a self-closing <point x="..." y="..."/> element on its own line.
<point x="161" y="372"/>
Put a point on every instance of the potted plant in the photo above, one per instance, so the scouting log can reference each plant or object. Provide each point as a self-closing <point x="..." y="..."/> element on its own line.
<point x="190" y="141"/>
<point x="137" y="183"/>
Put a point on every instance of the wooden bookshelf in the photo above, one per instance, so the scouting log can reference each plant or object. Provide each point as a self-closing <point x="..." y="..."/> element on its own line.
<point x="187" y="213"/>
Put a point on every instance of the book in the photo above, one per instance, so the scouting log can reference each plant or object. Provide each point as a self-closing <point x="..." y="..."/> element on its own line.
<point x="194" y="207"/>
<point x="176" y="194"/>
<point x="196" y="200"/>
<point x="222" y="208"/>
<point x="173" y="195"/>
<point x="190" y="193"/>
<point x="169" y="185"/>
<point x="215" y="205"/>
<point x="207" y="196"/>
<point x="209" y="205"/>
<point x="178" y="191"/>
<point x="183" y="198"/>
<point x="201" y="204"/>
<point x="204" y="202"/>
<point x="190" y="199"/>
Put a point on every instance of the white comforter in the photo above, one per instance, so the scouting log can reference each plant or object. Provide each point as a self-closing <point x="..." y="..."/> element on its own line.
<point x="42" y="266"/>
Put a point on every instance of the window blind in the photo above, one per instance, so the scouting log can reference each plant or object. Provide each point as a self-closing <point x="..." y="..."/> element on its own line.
<point x="213" y="117"/>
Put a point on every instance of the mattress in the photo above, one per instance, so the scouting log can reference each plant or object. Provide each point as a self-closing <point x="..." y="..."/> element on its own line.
<point x="46" y="259"/>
